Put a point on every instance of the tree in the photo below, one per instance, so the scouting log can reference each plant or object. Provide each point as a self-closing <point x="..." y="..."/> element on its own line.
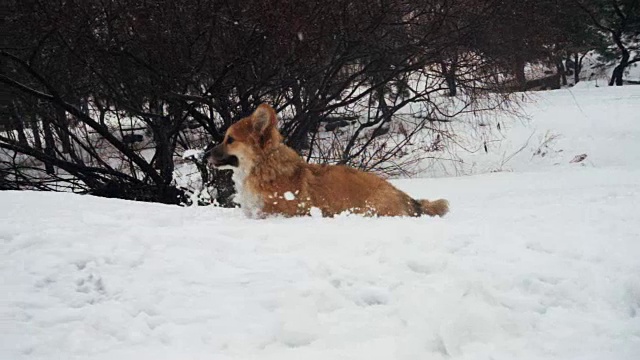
<point x="621" y="20"/>
<point x="518" y="32"/>
<point x="515" y="33"/>
<point x="86" y="78"/>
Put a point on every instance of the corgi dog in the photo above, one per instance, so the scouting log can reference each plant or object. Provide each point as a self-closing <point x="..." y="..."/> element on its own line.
<point x="272" y="179"/>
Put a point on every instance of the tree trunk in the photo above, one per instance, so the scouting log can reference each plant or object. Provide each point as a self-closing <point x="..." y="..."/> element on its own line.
<point x="164" y="147"/>
<point x="35" y="129"/>
<point x="63" y="123"/>
<point x="164" y="159"/>
<point x="518" y="70"/>
<point x="577" y="67"/>
<point x="562" y="71"/>
<point x="49" y="145"/>
<point x="299" y="138"/>
<point x="450" y="78"/>
<point x="616" y="77"/>
<point x="18" y="124"/>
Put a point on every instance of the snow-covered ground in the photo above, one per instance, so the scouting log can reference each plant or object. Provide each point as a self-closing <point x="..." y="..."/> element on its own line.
<point x="555" y="127"/>
<point x="540" y="260"/>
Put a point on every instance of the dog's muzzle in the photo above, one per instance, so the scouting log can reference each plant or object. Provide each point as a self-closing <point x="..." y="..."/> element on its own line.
<point x="218" y="158"/>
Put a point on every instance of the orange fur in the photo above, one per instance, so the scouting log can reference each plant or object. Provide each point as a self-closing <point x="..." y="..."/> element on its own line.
<point x="272" y="178"/>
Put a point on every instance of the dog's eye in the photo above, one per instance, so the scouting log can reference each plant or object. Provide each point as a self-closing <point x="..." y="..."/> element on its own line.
<point x="230" y="140"/>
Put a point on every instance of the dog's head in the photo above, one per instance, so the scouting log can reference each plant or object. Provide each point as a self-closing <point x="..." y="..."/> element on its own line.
<point x="247" y="140"/>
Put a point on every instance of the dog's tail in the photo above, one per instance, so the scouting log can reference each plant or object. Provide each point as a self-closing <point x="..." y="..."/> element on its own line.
<point x="436" y="207"/>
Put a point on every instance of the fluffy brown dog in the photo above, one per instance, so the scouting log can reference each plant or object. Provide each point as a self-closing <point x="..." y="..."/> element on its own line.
<point x="272" y="179"/>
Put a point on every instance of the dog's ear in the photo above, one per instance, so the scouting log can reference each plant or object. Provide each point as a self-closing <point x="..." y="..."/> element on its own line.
<point x="264" y="117"/>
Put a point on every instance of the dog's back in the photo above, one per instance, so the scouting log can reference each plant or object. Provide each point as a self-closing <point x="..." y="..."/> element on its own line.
<point x="292" y="187"/>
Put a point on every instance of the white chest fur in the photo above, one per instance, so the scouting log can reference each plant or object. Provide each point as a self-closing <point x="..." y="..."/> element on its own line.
<point x="250" y="203"/>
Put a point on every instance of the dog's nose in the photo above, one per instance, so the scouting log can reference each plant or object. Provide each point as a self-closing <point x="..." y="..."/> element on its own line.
<point x="212" y="154"/>
<point x="217" y="152"/>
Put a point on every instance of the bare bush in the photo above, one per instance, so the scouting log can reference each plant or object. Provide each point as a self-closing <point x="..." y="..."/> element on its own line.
<point x="106" y="96"/>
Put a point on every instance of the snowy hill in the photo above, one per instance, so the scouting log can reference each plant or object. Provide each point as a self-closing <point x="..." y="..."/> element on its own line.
<point x="601" y="122"/>
<point x="537" y="261"/>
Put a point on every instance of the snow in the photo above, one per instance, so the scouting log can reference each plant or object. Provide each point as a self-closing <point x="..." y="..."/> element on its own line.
<point x="537" y="261"/>
<point x="556" y="126"/>
<point x="315" y="212"/>
<point x="289" y="196"/>
<point x="192" y="153"/>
